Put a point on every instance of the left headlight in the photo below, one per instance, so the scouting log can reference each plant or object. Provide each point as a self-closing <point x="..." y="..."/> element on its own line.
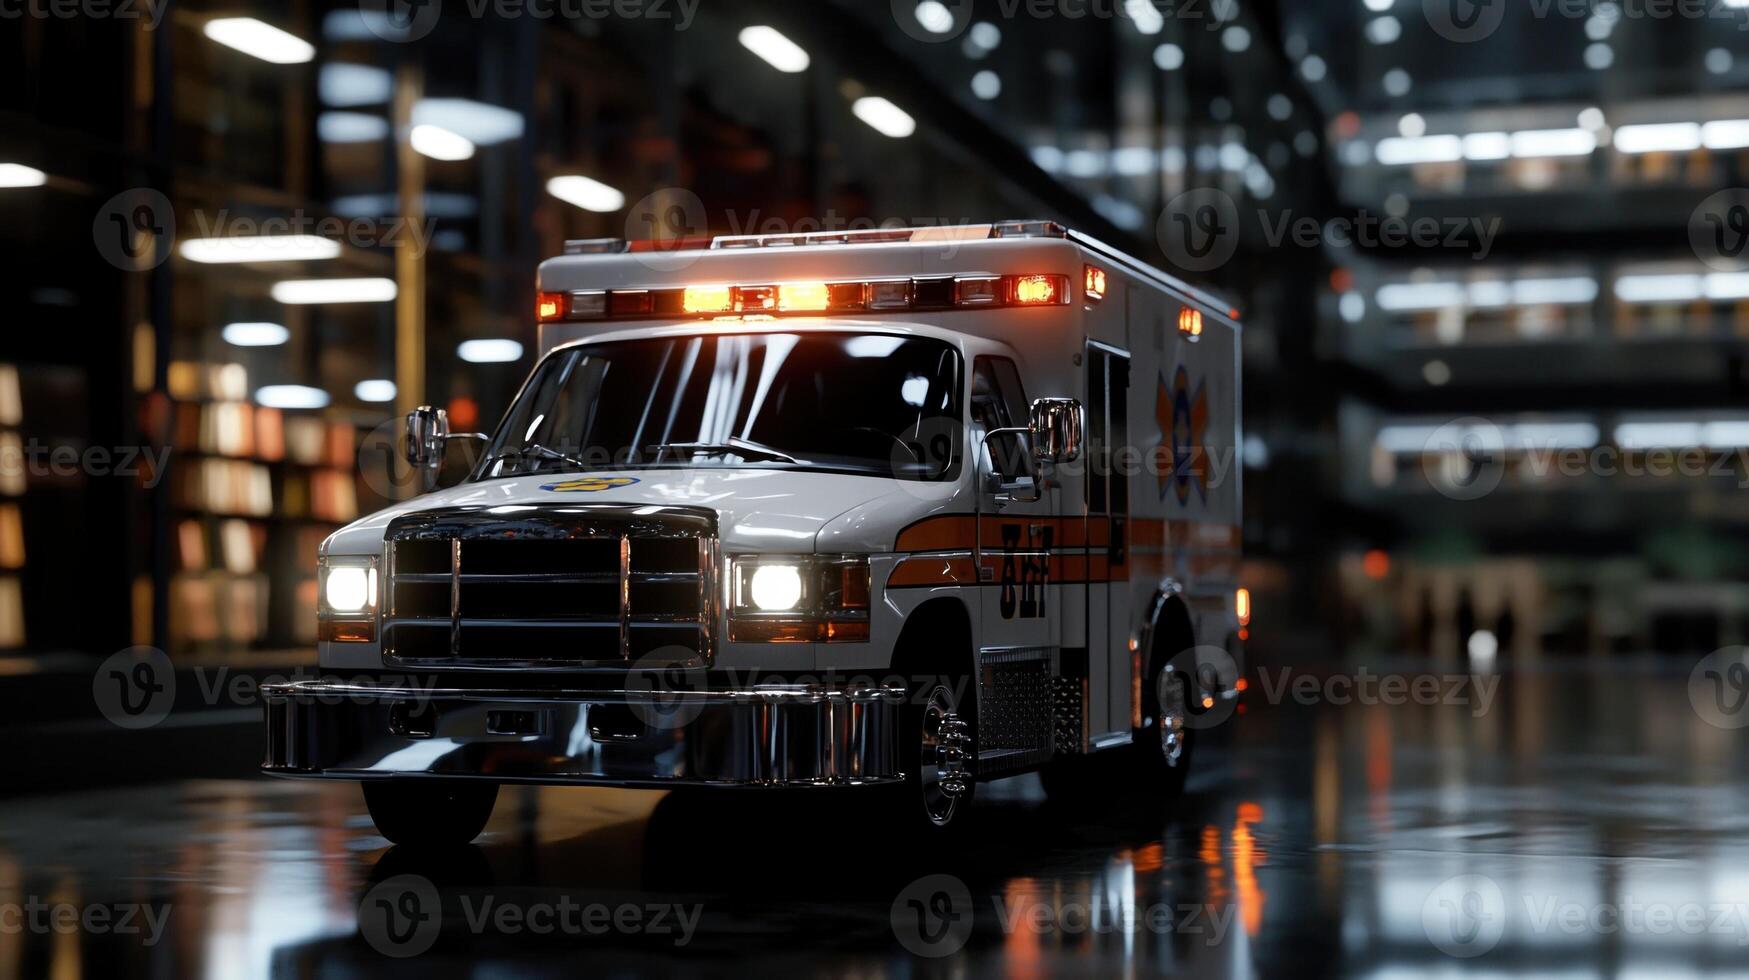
<point x="346" y="609"/>
<point x="798" y="599"/>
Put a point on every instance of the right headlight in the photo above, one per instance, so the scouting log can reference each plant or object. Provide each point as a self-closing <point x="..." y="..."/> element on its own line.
<point x="798" y="599"/>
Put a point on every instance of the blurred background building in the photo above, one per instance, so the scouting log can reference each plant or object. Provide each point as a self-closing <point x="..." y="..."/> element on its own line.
<point x="1531" y="245"/>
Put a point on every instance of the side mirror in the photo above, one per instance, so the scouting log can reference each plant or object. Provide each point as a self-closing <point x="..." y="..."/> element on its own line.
<point x="427" y="434"/>
<point x="1056" y="430"/>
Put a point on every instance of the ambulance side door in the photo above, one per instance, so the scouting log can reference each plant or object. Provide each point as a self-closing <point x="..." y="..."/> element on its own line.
<point x="1106" y="538"/>
<point x="1018" y="589"/>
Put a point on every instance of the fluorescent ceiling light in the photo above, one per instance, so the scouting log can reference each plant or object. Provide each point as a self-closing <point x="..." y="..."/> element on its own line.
<point x="305" y="292"/>
<point x="1487" y="146"/>
<point x="1727" y="286"/>
<point x="439" y="143"/>
<point x="1658" y="289"/>
<point x="590" y="195"/>
<point x="884" y="117"/>
<point x="1729" y="434"/>
<point x="259" y="248"/>
<point x="1658" y="138"/>
<point x="778" y="51"/>
<point x="259" y="40"/>
<point x="346" y="85"/>
<point x="1486" y="437"/>
<point x="255" y="334"/>
<point x="374" y="390"/>
<point x="291" y="397"/>
<point x="351" y="127"/>
<point x="1399" y="151"/>
<point x="1725" y="134"/>
<point x="1574" y="291"/>
<point x="1553" y="143"/>
<point x="495" y="351"/>
<point x="1658" y="435"/>
<point x="19" y="175"/>
<point x="476" y="122"/>
<point x="1401" y="297"/>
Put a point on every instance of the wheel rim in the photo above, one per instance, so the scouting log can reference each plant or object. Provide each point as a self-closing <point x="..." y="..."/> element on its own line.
<point x="945" y="748"/>
<point x="1169" y="691"/>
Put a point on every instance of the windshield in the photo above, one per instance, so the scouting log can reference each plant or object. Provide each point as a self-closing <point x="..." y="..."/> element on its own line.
<point x="864" y="403"/>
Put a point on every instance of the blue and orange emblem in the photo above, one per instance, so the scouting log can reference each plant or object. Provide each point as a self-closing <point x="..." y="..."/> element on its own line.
<point x="1183" y="415"/>
<point x="589" y="484"/>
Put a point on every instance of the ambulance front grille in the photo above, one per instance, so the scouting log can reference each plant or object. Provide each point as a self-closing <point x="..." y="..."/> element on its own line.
<point x="578" y="585"/>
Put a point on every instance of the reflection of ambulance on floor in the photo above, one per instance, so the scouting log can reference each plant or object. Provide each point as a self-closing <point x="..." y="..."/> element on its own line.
<point x="903" y="511"/>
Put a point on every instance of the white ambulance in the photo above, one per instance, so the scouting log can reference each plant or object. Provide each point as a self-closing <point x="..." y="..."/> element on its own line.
<point x="900" y="510"/>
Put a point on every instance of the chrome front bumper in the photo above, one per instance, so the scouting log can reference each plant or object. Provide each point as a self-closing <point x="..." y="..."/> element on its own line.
<point x="766" y="735"/>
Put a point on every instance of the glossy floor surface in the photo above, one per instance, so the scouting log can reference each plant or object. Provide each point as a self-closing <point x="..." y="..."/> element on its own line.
<point x="1583" y="818"/>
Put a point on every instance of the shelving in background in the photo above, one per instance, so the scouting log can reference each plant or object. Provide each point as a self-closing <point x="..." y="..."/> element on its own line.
<point x="12" y="487"/>
<point x="253" y="491"/>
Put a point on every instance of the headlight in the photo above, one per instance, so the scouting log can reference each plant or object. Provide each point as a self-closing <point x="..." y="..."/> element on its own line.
<point x="776" y="588"/>
<point x="348" y="593"/>
<point x="786" y="599"/>
<point x="348" y="589"/>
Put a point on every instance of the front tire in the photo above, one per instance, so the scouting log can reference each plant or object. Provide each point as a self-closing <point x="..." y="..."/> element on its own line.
<point x="434" y="813"/>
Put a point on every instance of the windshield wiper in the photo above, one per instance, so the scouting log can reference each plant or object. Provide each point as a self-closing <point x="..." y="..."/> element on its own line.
<point x="735" y="445"/>
<point x="536" y="449"/>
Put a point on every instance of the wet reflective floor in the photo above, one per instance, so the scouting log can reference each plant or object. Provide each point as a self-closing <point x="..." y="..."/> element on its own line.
<point x="1575" y="818"/>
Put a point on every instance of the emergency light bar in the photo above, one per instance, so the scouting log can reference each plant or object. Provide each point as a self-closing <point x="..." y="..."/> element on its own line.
<point x="865" y="236"/>
<point x="805" y="298"/>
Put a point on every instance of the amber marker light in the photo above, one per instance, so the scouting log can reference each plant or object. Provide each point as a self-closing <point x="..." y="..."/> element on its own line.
<point x="1036" y="290"/>
<point x="1095" y="283"/>
<point x="707" y="299"/>
<point x="549" y="307"/>
<point x="803" y="297"/>
<point x="1242" y="606"/>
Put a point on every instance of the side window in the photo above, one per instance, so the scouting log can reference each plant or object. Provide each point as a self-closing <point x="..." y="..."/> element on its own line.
<point x="999" y="402"/>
